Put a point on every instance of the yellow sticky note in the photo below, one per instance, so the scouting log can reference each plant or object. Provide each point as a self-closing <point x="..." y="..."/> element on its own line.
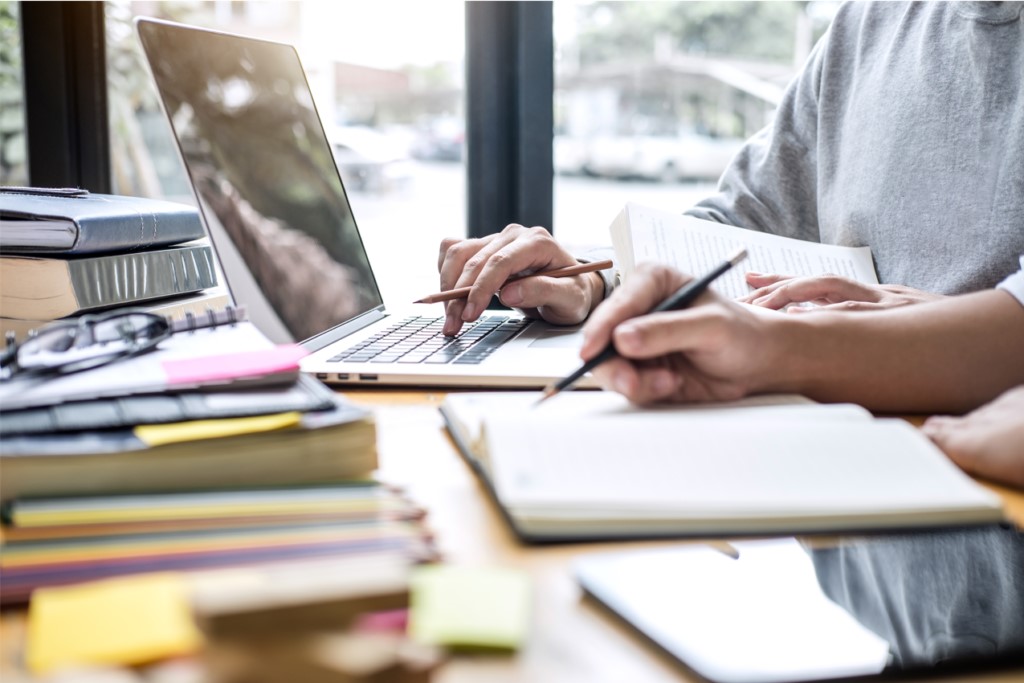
<point x="464" y="607"/>
<point x="121" y="621"/>
<point x="159" y="435"/>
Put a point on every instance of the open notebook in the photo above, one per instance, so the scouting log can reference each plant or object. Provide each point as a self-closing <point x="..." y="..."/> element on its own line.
<point x="587" y="466"/>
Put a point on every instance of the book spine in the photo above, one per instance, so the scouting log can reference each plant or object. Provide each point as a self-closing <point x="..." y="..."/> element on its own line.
<point x="127" y="278"/>
<point x="136" y="232"/>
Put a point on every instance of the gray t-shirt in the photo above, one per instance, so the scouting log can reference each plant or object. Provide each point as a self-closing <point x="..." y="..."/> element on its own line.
<point x="905" y="133"/>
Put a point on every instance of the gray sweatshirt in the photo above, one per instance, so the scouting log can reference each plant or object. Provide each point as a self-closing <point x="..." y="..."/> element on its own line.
<point x="905" y="133"/>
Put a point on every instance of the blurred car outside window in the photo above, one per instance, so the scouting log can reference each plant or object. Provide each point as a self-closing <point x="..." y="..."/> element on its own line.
<point x="442" y="139"/>
<point x="654" y="99"/>
<point x="669" y="159"/>
<point x="369" y="160"/>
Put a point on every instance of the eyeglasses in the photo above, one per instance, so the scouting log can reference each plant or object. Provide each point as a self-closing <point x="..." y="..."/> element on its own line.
<point x="90" y="341"/>
<point x="87" y="342"/>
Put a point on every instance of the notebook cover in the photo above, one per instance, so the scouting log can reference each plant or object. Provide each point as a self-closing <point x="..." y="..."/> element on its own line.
<point x="305" y="395"/>
<point x="97" y="222"/>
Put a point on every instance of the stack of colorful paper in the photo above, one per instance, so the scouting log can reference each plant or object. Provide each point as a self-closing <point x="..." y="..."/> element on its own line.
<point x="48" y="542"/>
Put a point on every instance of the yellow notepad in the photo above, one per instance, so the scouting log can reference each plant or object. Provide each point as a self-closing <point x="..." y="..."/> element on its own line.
<point x="463" y="607"/>
<point x="124" y="621"/>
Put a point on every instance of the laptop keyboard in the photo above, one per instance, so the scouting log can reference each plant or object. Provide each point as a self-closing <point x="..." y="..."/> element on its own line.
<point x="419" y="340"/>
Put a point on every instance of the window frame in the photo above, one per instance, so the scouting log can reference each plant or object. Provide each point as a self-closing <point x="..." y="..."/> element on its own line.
<point x="509" y="106"/>
<point x="65" y="85"/>
<point x="509" y="115"/>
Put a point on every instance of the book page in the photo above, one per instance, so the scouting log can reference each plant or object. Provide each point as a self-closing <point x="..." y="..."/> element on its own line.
<point x="696" y="246"/>
<point x="655" y="465"/>
<point x="467" y="412"/>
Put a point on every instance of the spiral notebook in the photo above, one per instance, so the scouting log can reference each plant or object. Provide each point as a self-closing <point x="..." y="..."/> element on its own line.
<point x="221" y="352"/>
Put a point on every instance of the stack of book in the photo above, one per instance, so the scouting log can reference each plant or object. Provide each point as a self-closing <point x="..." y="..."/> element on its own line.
<point x="64" y="252"/>
<point x="190" y="458"/>
<point x="62" y="541"/>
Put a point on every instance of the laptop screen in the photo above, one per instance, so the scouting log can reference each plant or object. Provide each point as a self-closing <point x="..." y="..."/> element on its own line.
<point x="265" y="177"/>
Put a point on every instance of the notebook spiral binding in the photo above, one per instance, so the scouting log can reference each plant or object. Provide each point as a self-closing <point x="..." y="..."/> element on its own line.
<point x="229" y="315"/>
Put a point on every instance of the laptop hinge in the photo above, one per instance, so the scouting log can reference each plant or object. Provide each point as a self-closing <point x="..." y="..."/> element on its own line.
<point x="343" y="330"/>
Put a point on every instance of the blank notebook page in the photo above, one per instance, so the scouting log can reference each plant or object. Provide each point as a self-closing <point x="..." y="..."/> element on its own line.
<point x="652" y="464"/>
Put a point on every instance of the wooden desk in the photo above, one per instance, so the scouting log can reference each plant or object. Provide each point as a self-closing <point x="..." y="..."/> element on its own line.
<point x="571" y="639"/>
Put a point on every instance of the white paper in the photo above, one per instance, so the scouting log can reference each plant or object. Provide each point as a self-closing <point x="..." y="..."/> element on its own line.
<point x="696" y="246"/>
<point x="471" y="409"/>
<point x="721" y="465"/>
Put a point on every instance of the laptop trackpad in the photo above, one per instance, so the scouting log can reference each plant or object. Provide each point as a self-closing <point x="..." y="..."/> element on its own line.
<point x="558" y="339"/>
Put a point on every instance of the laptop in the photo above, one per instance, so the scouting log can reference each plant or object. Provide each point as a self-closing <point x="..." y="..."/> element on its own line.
<point x="278" y="216"/>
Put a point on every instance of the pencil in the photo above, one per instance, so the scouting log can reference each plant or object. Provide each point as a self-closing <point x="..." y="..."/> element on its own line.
<point x="681" y="298"/>
<point x="463" y="292"/>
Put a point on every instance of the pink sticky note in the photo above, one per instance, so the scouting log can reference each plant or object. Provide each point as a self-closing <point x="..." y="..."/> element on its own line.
<point x="233" y="366"/>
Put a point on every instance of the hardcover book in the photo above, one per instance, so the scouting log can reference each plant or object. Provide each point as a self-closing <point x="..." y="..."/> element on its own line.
<point x="58" y="221"/>
<point x="275" y="450"/>
<point x="174" y="308"/>
<point x="37" y="288"/>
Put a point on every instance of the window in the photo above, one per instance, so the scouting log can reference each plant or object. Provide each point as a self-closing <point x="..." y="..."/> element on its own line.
<point x="390" y="96"/>
<point x="652" y="99"/>
<point x="13" y="154"/>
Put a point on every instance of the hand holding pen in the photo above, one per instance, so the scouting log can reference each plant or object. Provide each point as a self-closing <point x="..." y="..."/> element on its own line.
<point x="485" y="264"/>
<point x="568" y="271"/>
<point x="661" y="352"/>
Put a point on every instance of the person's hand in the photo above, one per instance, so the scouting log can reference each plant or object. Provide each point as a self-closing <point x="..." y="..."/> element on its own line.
<point x="828" y="292"/>
<point x="486" y="263"/>
<point x="715" y="350"/>
<point x="987" y="442"/>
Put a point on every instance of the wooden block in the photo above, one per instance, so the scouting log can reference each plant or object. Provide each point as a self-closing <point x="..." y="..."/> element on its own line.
<point x="324" y="658"/>
<point x="300" y="599"/>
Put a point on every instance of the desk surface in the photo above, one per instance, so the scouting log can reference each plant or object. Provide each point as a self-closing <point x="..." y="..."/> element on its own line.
<point x="571" y="639"/>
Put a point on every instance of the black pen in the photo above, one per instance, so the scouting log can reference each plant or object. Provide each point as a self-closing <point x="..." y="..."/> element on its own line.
<point x="682" y="298"/>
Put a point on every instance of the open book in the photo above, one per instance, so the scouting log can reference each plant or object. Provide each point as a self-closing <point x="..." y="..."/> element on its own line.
<point x="588" y="465"/>
<point x="640" y="233"/>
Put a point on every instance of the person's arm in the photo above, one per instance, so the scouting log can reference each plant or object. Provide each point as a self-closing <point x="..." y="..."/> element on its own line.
<point x="772" y="183"/>
<point x="945" y="356"/>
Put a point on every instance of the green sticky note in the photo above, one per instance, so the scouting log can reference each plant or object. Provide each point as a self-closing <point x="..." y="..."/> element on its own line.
<point x="469" y="608"/>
